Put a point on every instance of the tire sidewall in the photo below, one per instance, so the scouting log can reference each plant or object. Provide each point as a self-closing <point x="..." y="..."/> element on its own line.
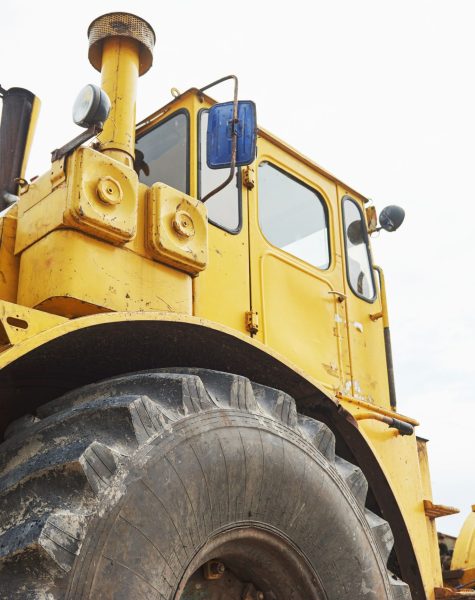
<point x="211" y="472"/>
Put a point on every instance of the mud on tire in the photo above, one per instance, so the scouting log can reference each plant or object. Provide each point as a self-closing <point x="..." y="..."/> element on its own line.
<point x="117" y="489"/>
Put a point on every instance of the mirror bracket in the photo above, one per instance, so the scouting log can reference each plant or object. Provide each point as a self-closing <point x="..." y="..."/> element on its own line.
<point x="231" y="135"/>
<point x="234" y="134"/>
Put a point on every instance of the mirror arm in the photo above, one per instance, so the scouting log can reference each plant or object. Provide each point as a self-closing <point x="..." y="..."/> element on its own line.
<point x="226" y="181"/>
<point x="233" y="131"/>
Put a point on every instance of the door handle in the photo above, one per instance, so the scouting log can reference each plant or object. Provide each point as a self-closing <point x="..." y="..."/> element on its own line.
<point x="340" y="295"/>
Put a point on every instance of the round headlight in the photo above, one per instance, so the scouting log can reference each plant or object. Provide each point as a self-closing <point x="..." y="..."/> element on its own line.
<point x="92" y="106"/>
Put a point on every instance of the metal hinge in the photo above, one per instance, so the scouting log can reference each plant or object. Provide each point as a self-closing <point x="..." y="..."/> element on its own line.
<point x="252" y="321"/>
<point x="371" y="219"/>
<point x="249" y="177"/>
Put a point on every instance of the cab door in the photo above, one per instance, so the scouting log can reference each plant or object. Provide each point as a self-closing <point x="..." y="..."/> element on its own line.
<point x="369" y="379"/>
<point x="221" y="292"/>
<point x="295" y="265"/>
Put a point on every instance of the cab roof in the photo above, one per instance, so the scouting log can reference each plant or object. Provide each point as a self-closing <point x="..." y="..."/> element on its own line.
<point x="154" y="117"/>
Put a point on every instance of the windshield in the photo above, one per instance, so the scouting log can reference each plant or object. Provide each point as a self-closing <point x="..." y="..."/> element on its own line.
<point x="162" y="153"/>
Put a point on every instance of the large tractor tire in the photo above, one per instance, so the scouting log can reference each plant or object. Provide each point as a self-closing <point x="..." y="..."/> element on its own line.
<point x="187" y="484"/>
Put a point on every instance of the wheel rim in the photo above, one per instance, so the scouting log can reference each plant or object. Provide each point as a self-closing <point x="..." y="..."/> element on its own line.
<point x="249" y="563"/>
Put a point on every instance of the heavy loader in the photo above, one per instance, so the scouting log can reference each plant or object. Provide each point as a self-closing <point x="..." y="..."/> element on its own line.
<point x="196" y="387"/>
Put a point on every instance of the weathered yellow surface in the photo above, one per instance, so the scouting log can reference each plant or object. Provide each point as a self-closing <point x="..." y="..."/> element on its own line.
<point x="464" y="551"/>
<point x="84" y="249"/>
<point x="120" y="71"/>
<point x="18" y="323"/>
<point x="177" y="229"/>
<point x="75" y="201"/>
<point x="90" y="174"/>
<point x="91" y="276"/>
<point x="404" y="462"/>
<point x="9" y="263"/>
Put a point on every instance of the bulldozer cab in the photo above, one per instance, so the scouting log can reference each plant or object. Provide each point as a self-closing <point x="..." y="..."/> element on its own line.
<point x="290" y="244"/>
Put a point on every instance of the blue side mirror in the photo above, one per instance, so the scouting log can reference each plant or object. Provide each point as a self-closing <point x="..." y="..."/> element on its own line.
<point x="220" y="133"/>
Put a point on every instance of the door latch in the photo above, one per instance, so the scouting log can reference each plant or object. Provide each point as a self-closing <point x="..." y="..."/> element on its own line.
<point x="252" y="321"/>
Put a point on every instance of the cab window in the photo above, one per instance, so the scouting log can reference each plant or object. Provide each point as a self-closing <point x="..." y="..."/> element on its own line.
<point x="358" y="262"/>
<point x="162" y="153"/>
<point x="224" y="208"/>
<point x="293" y="216"/>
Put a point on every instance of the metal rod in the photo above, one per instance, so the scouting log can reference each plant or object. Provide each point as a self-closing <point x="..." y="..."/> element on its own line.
<point x="377" y="409"/>
<point x="401" y="426"/>
<point x="387" y="339"/>
<point x="464" y="585"/>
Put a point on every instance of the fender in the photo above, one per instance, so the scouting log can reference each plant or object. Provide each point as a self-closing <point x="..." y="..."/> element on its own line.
<point x="72" y="353"/>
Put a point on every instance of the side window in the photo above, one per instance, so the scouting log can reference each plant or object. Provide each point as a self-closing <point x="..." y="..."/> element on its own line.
<point x="292" y="216"/>
<point x="358" y="264"/>
<point x="162" y="154"/>
<point x="223" y="207"/>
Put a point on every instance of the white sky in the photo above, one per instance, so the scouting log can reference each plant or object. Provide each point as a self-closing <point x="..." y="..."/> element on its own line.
<point x="381" y="93"/>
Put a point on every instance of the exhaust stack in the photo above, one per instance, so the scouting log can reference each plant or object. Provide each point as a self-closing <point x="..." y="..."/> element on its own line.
<point x="19" y="116"/>
<point x="121" y="48"/>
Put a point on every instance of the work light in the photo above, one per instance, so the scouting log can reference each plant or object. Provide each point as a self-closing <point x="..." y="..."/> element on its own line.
<point x="92" y="106"/>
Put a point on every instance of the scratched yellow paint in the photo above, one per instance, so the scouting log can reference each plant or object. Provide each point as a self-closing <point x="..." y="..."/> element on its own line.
<point x="66" y="252"/>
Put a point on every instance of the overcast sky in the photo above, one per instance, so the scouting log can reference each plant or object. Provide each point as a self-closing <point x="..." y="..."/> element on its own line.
<point x="380" y="93"/>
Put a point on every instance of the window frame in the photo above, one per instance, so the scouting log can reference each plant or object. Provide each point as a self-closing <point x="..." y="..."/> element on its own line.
<point x="198" y="180"/>
<point x="318" y="195"/>
<point x="347" y="198"/>
<point x="182" y="111"/>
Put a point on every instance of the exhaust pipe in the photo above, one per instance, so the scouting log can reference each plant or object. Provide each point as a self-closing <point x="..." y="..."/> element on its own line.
<point x="121" y="48"/>
<point x="19" y="116"/>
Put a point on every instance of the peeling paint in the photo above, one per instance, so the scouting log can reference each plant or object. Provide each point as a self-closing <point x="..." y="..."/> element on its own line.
<point x="331" y="369"/>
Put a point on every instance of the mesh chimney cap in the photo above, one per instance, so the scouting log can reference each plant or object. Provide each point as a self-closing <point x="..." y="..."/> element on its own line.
<point x="120" y="24"/>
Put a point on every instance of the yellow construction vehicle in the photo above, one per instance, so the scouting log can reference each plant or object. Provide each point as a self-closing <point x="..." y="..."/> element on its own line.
<point x="196" y="384"/>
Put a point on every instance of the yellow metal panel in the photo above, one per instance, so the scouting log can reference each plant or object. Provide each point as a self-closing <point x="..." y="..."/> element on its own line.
<point x="138" y="243"/>
<point x="427" y="495"/>
<point x="307" y="333"/>
<point x="177" y="228"/>
<point x="18" y="323"/>
<point x="99" y="197"/>
<point x="9" y="263"/>
<point x="464" y="551"/>
<point x="102" y="196"/>
<point x="40" y="210"/>
<point x="87" y="273"/>
<point x="33" y="192"/>
<point x="221" y="291"/>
